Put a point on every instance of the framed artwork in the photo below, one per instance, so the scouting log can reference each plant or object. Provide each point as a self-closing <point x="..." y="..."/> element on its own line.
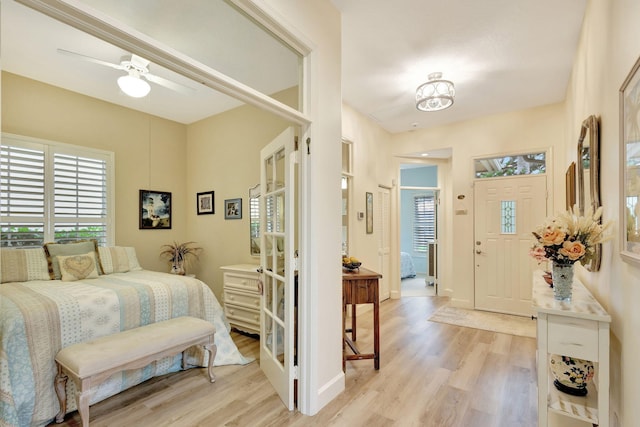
<point x="233" y="209"/>
<point x="205" y="201"/>
<point x="630" y="166"/>
<point x="155" y="210"/>
<point x="570" y="184"/>
<point x="369" y="213"/>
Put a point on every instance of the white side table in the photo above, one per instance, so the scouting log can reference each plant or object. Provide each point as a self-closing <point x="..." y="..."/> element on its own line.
<point x="578" y="329"/>
<point x="242" y="296"/>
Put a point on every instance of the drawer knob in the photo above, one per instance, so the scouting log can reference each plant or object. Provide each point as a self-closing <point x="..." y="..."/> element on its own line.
<point x="231" y="297"/>
<point x="244" y="282"/>
<point x="231" y="312"/>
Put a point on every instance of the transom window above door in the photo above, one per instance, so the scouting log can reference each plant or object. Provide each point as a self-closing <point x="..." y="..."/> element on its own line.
<point x="517" y="164"/>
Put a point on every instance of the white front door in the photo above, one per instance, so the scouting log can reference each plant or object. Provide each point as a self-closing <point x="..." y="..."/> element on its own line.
<point x="384" y="242"/>
<point x="278" y="245"/>
<point x="506" y="210"/>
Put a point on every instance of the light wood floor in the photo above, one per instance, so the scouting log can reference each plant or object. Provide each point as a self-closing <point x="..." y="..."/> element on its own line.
<point x="431" y="374"/>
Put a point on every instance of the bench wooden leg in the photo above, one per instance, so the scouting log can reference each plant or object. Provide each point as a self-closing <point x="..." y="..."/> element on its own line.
<point x="61" y="392"/>
<point x="82" y="399"/>
<point x="212" y="349"/>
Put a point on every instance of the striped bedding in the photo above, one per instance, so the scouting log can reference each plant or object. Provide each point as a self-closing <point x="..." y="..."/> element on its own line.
<point x="40" y="317"/>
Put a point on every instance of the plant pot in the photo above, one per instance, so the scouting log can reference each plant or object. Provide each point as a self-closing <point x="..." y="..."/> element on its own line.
<point x="571" y="375"/>
<point x="562" y="275"/>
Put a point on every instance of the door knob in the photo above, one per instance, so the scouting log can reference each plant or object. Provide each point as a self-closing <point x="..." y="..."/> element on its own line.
<point x="478" y="251"/>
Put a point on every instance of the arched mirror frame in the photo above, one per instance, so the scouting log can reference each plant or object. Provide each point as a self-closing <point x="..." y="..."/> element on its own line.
<point x="588" y="172"/>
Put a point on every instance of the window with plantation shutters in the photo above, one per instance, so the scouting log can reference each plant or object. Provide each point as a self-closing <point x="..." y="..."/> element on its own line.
<point x="424" y="222"/>
<point x="53" y="192"/>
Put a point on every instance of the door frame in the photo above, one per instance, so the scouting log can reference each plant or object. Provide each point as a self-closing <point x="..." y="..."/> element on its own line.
<point x="84" y="18"/>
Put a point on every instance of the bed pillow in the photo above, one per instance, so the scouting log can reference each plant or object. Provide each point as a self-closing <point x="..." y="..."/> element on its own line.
<point x="118" y="259"/>
<point x="78" y="267"/>
<point x="23" y="265"/>
<point x="54" y="250"/>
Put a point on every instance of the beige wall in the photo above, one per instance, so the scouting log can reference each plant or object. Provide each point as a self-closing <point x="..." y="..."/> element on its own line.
<point x="370" y="144"/>
<point x="609" y="46"/>
<point x="224" y="156"/>
<point x="530" y="130"/>
<point x="150" y="153"/>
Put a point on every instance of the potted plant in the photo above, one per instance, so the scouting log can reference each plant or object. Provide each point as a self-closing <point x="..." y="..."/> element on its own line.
<point x="179" y="255"/>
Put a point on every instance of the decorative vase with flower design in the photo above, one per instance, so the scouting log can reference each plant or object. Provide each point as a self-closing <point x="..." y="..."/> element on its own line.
<point x="571" y="375"/>
<point x="562" y="277"/>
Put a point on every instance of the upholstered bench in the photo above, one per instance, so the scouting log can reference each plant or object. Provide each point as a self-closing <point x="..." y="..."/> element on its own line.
<point x="90" y="363"/>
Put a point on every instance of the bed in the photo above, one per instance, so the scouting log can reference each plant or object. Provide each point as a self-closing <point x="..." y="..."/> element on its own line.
<point x="406" y="266"/>
<point x="40" y="315"/>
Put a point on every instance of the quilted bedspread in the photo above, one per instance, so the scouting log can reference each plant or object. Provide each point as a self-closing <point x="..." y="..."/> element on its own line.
<point x="38" y="318"/>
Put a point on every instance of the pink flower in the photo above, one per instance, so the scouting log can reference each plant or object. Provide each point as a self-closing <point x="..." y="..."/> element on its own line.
<point x="538" y="253"/>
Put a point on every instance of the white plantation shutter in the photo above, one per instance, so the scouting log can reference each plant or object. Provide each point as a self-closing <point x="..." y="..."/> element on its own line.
<point x="80" y="198"/>
<point x="424" y="224"/>
<point x="53" y="192"/>
<point x="22" y="195"/>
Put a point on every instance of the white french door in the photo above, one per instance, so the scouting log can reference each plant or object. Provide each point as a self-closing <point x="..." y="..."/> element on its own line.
<point x="506" y="211"/>
<point x="277" y="228"/>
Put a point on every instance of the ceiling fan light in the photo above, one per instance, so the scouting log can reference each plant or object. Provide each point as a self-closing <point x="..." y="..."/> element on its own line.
<point x="436" y="94"/>
<point x="133" y="86"/>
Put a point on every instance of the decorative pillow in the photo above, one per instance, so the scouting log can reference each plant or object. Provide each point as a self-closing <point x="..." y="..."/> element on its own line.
<point x="78" y="267"/>
<point x="118" y="259"/>
<point x="53" y="250"/>
<point x="23" y="265"/>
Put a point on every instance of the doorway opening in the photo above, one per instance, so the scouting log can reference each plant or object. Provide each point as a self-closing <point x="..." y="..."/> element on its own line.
<point x="419" y="200"/>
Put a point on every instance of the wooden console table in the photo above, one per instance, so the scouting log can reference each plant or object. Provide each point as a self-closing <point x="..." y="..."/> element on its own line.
<point x="360" y="287"/>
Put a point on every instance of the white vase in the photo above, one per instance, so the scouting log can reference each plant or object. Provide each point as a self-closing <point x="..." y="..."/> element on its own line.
<point x="562" y="275"/>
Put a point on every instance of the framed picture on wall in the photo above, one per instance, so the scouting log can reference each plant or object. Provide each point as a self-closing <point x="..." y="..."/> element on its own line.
<point x="630" y="166"/>
<point x="205" y="201"/>
<point x="369" y="210"/>
<point x="155" y="210"/>
<point x="233" y="209"/>
<point x="570" y="184"/>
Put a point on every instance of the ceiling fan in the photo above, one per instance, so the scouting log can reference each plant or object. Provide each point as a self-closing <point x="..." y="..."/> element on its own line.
<point x="137" y="68"/>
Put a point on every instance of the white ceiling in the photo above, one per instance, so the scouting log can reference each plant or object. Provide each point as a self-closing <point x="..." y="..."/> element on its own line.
<point x="502" y="55"/>
<point x="200" y="28"/>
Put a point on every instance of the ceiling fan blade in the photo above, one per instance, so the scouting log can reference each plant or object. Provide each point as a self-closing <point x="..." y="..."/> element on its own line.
<point x="90" y="59"/>
<point x="169" y="84"/>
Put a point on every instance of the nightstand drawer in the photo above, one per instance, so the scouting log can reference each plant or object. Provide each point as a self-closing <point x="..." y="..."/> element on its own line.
<point x="570" y="336"/>
<point x="242" y="315"/>
<point x="245" y="299"/>
<point x="239" y="281"/>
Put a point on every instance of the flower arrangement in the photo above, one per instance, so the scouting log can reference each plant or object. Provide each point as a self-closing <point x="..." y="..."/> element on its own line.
<point x="178" y="255"/>
<point x="569" y="237"/>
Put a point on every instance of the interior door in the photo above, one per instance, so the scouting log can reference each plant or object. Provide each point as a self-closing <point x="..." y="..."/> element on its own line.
<point x="384" y="242"/>
<point x="277" y="223"/>
<point x="506" y="211"/>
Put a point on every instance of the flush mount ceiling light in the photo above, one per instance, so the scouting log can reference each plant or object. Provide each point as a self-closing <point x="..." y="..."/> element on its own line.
<point x="133" y="85"/>
<point x="436" y="94"/>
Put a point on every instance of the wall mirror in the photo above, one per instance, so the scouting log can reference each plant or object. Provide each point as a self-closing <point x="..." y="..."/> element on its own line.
<point x="254" y="220"/>
<point x="588" y="175"/>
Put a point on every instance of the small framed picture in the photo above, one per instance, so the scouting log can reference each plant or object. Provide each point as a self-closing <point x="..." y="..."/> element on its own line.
<point x="155" y="210"/>
<point x="233" y="209"/>
<point x="205" y="202"/>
